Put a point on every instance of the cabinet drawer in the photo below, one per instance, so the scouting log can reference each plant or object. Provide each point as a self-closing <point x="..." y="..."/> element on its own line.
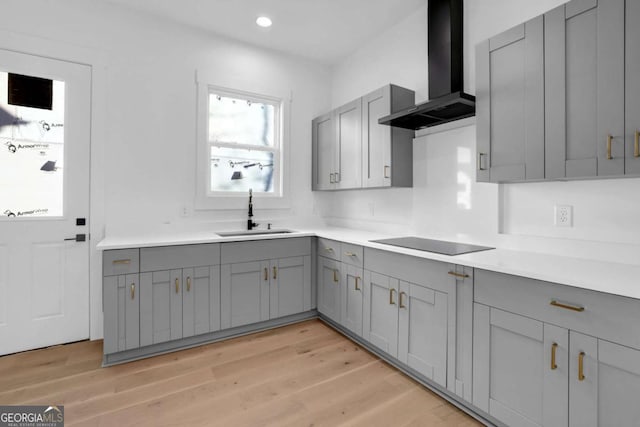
<point x="611" y="317"/>
<point x="120" y="261"/>
<point x="172" y="257"/>
<point x="329" y="248"/>
<point x="257" y="250"/>
<point x="352" y="254"/>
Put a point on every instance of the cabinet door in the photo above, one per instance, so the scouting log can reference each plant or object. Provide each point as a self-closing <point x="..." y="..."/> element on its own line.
<point x="632" y="88"/>
<point x="376" y="139"/>
<point x="380" y="313"/>
<point x="121" y="313"/>
<point x="160" y="306"/>
<point x="290" y="286"/>
<point x="584" y="93"/>
<point x="244" y="293"/>
<point x="323" y="142"/>
<point x="510" y="119"/>
<point x="200" y="300"/>
<point x="422" y="331"/>
<point x="348" y="153"/>
<point x="514" y="379"/>
<point x="329" y="288"/>
<point x="352" y="296"/>
<point x="607" y="392"/>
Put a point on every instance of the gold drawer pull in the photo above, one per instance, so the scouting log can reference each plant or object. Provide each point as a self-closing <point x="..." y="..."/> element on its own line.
<point x="387" y="169"/>
<point x="121" y="261"/>
<point x="335" y="276"/>
<point x="401" y="303"/>
<point x="554" y="347"/>
<point x="480" y="168"/>
<point x="350" y="254"/>
<point x="636" y="145"/>
<point x="328" y="249"/>
<point x="133" y="290"/>
<point x="609" y="142"/>
<point x="266" y="273"/>
<point x="460" y="275"/>
<point x="391" y="301"/>
<point x="177" y="285"/>
<point x="567" y="306"/>
<point x="357" y="280"/>
<point x="581" y="376"/>
<point x="188" y="284"/>
<point x="275" y="273"/>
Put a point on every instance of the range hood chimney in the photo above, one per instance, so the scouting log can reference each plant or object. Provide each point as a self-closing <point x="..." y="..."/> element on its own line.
<point x="447" y="100"/>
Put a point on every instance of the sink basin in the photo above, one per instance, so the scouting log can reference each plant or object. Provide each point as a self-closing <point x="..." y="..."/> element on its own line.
<point x="252" y="232"/>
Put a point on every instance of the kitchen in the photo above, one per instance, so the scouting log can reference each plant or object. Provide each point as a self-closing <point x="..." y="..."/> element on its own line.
<point x="145" y="175"/>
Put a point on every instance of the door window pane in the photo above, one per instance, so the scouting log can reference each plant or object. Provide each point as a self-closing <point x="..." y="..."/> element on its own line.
<point x="241" y="169"/>
<point x="240" y="121"/>
<point x="31" y="146"/>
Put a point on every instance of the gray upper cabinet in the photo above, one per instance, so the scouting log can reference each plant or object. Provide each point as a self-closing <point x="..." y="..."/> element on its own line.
<point x="323" y="137"/>
<point x="584" y="76"/>
<point x="510" y="99"/>
<point x="383" y="146"/>
<point x="347" y="163"/>
<point x="351" y="150"/>
<point x="632" y="88"/>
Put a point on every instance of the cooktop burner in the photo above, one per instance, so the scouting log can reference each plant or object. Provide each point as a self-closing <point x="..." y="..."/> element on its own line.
<point x="435" y="246"/>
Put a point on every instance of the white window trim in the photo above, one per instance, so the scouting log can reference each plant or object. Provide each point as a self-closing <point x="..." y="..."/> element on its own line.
<point x="207" y="200"/>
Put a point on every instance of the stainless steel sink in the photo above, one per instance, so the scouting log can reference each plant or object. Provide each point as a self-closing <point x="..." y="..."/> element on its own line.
<point x="241" y="233"/>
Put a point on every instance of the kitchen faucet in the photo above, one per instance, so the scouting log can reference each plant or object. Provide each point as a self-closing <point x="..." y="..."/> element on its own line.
<point x="250" y="223"/>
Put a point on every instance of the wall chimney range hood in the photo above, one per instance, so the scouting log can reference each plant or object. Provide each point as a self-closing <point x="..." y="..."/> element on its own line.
<point x="448" y="102"/>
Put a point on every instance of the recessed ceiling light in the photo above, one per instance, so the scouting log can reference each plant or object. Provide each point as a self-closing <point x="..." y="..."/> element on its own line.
<point x="263" y="21"/>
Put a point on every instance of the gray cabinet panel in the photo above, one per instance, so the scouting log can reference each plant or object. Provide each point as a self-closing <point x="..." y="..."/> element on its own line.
<point x="120" y="261"/>
<point x="122" y="313"/>
<point x="238" y="252"/>
<point x="174" y="257"/>
<point x="329" y="289"/>
<point x="632" y="88"/>
<point x="348" y="155"/>
<point x="245" y="293"/>
<point x="200" y="300"/>
<point x="329" y="248"/>
<point x="380" y="312"/>
<point x="160" y="306"/>
<point x="352" y="298"/>
<point x="290" y="286"/>
<point x="323" y="134"/>
<point x="483" y="112"/>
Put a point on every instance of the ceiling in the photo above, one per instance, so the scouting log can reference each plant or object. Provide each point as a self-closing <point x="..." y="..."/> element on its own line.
<point x="322" y="30"/>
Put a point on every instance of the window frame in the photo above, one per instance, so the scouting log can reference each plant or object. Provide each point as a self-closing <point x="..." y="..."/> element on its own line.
<point x="226" y="200"/>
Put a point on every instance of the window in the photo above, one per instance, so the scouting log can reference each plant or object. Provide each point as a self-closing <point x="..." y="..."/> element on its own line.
<point x="243" y="144"/>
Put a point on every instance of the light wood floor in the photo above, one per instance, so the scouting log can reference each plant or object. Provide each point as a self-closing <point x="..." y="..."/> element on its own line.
<point x="300" y="375"/>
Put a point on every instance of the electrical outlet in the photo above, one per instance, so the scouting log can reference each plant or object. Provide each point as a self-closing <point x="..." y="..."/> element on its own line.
<point x="186" y="211"/>
<point x="563" y="216"/>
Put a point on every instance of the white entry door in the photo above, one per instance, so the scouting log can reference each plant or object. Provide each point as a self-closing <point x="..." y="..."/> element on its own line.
<point x="45" y="111"/>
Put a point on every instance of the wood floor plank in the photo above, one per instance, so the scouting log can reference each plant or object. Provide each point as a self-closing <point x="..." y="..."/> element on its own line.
<point x="302" y="374"/>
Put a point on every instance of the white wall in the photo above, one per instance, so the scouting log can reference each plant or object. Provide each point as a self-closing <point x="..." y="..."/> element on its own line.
<point x="144" y="103"/>
<point x="445" y="201"/>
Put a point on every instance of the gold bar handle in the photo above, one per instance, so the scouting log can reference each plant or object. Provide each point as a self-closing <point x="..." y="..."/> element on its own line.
<point x="266" y="273"/>
<point x="567" y="306"/>
<point x="387" y="170"/>
<point x="336" y="177"/>
<point x="335" y="276"/>
<point x="581" y="376"/>
<point x="554" y="347"/>
<point x="401" y="303"/>
<point x="609" y="143"/>
<point x="331" y="180"/>
<point x="480" y="168"/>
<point x="133" y="290"/>
<point x="275" y="273"/>
<point x="177" y="285"/>
<point x="636" y="145"/>
<point x="357" y="280"/>
<point x="328" y="249"/>
<point x="459" y="275"/>
<point x="188" y="283"/>
<point x="350" y="254"/>
<point x="121" y="261"/>
<point x="391" y="301"/>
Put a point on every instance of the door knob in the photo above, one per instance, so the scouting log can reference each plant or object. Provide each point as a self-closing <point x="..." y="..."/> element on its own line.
<point x="78" y="238"/>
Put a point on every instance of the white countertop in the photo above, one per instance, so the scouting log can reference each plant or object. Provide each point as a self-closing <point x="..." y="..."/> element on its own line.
<point x="608" y="277"/>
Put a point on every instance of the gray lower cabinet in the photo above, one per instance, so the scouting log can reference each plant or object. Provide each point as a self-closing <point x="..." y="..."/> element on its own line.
<point x="329" y="289"/>
<point x="411" y="313"/>
<point x="264" y="280"/>
<point x="121" y="300"/>
<point x="560" y="348"/>
<point x="510" y="104"/>
<point x="351" y="298"/>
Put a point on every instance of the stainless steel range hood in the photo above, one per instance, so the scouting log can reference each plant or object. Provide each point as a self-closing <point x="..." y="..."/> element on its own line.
<point x="447" y="101"/>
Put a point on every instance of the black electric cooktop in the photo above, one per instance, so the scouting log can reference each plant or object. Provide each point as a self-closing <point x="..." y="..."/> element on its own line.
<point x="435" y="246"/>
